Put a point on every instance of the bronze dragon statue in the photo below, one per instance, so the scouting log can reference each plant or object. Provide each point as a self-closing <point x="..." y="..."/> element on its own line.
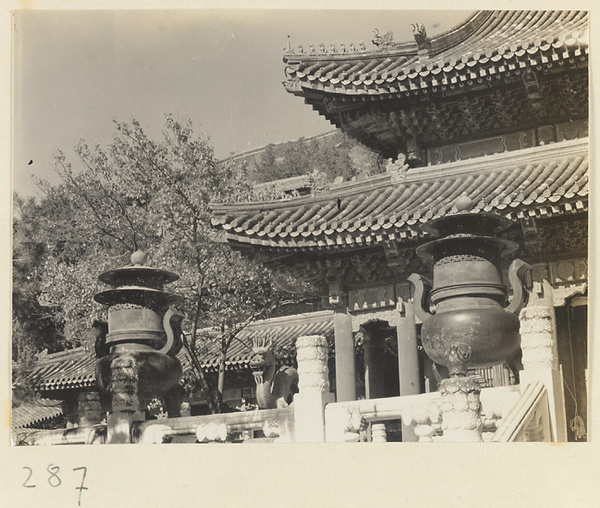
<point x="274" y="387"/>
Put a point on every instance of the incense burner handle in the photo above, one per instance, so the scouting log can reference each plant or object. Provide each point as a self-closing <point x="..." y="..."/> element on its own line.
<point x="422" y="288"/>
<point x="172" y="325"/>
<point x="517" y="273"/>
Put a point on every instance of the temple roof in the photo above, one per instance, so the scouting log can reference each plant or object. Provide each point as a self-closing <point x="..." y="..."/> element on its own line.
<point x="76" y="368"/>
<point x="536" y="182"/>
<point x="30" y="413"/>
<point x="499" y="72"/>
<point x="488" y="43"/>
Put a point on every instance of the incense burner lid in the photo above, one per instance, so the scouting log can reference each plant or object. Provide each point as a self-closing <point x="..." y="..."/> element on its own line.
<point x="457" y="244"/>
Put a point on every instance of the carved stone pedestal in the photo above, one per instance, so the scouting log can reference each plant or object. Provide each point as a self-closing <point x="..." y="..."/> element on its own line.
<point x="540" y="359"/>
<point x="461" y="409"/>
<point x="125" y="405"/>
<point x="313" y="374"/>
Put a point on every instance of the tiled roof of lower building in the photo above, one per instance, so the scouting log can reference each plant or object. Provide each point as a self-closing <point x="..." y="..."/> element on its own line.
<point x="540" y="181"/>
<point x="31" y="413"/>
<point x="283" y="330"/>
<point x="75" y="368"/>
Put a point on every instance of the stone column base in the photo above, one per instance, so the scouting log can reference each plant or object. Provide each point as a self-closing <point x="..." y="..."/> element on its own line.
<point x="309" y="416"/>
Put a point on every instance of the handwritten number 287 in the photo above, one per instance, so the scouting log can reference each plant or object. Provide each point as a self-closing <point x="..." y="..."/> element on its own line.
<point x="54" y="479"/>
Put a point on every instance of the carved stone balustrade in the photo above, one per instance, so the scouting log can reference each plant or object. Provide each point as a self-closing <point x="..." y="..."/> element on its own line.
<point x="529" y="419"/>
<point x="276" y="424"/>
<point x="378" y="433"/>
<point x="347" y="421"/>
<point x="425" y="420"/>
<point x="343" y="421"/>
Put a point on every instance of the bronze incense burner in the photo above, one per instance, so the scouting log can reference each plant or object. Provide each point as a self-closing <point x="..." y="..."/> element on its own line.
<point x="472" y="323"/>
<point x="142" y="327"/>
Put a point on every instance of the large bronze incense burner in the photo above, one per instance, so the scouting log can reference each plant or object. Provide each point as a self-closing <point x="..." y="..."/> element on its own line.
<point x="144" y="335"/>
<point x="472" y="323"/>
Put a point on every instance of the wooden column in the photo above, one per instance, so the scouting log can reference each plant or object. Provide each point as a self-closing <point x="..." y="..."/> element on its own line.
<point x="345" y="370"/>
<point x="373" y="351"/>
<point x="408" y="360"/>
<point x="408" y="356"/>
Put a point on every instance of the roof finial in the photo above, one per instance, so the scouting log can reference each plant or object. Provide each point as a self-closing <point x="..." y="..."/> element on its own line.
<point x="288" y="48"/>
<point x="420" y="35"/>
<point x="383" y="42"/>
<point x="138" y="258"/>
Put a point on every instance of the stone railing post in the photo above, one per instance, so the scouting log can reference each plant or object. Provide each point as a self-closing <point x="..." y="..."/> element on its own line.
<point x="309" y="404"/>
<point x="540" y="355"/>
<point x="425" y="420"/>
<point x="344" y="424"/>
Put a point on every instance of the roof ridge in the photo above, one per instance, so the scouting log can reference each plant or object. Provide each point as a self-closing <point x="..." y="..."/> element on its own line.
<point x="318" y="315"/>
<point x="59" y="354"/>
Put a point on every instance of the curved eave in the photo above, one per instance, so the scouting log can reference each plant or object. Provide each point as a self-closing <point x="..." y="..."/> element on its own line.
<point x="35" y="412"/>
<point x="536" y="182"/>
<point x="488" y="45"/>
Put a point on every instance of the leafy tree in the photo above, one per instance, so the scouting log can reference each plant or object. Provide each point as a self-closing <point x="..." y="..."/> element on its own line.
<point x="334" y="156"/>
<point x="33" y="325"/>
<point x="138" y="193"/>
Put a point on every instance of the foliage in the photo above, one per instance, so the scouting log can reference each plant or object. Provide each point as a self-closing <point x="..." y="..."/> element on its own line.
<point x="335" y="156"/>
<point x="30" y="318"/>
<point x="138" y="193"/>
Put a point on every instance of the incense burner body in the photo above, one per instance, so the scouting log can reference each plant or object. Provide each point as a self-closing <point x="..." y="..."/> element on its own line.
<point x="142" y="326"/>
<point x="467" y="318"/>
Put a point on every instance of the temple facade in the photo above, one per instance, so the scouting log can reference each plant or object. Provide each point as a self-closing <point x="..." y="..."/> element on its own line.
<point x="495" y="110"/>
<point x="485" y="129"/>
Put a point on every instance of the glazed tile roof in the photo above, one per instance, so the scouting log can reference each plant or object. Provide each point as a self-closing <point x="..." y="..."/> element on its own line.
<point x="540" y="181"/>
<point x="489" y="44"/>
<point x="75" y="368"/>
<point x="30" y="413"/>
<point x="284" y="331"/>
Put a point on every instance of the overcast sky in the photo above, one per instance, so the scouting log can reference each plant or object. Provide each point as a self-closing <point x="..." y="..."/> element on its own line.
<point x="77" y="71"/>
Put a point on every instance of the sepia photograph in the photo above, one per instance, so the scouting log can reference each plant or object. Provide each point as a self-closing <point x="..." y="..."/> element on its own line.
<point x="268" y="227"/>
